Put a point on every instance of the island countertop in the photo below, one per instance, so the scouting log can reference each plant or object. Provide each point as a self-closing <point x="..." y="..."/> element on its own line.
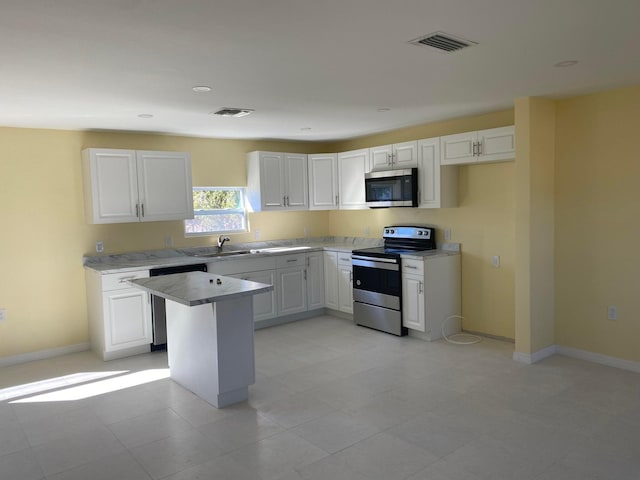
<point x="198" y="288"/>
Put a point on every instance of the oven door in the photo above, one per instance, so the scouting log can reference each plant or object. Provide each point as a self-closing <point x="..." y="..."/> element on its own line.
<point x="377" y="281"/>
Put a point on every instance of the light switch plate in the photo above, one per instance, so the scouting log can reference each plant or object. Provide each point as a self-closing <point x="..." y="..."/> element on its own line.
<point x="495" y="261"/>
<point x="99" y="247"/>
<point x="612" y="312"/>
<point x="447" y="234"/>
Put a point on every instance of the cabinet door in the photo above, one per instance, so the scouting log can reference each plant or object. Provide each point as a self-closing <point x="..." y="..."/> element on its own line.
<point x="351" y="169"/>
<point x="405" y="155"/>
<point x="296" y="181"/>
<point x="272" y="180"/>
<point x="331" y="280"/>
<point x="323" y="181"/>
<point x="264" y="304"/>
<point x="127" y="319"/>
<point x="497" y="144"/>
<point x="110" y="185"/>
<point x="458" y="149"/>
<point x="429" y="173"/>
<point x="345" y="289"/>
<point x="292" y="291"/>
<point x="164" y="184"/>
<point x="315" y="280"/>
<point x="380" y="158"/>
<point x="413" y="307"/>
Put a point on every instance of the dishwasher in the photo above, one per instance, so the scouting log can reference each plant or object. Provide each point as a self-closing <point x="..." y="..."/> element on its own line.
<point x="158" y="306"/>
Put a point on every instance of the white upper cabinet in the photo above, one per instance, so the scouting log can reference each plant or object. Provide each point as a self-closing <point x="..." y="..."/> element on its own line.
<point x="136" y="186"/>
<point x="437" y="185"/>
<point x="277" y="181"/>
<point x="396" y="156"/>
<point x="323" y="181"/>
<point x="352" y="166"/>
<point x="492" y="145"/>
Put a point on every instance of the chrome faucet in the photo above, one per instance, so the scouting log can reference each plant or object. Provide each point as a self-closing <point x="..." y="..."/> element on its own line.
<point x="221" y="241"/>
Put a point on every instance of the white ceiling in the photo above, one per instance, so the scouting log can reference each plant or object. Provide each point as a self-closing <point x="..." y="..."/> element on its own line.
<point x="325" y="66"/>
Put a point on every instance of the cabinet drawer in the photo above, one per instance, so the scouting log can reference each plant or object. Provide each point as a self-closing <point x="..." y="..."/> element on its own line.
<point x="286" y="261"/>
<point x="415" y="267"/>
<point x="117" y="281"/>
<point x="344" y="258"/>
<point x="231" y="267"/>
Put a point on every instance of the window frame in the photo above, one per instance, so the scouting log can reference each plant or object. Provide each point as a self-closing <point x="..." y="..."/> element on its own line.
<point x="242" y="210"/>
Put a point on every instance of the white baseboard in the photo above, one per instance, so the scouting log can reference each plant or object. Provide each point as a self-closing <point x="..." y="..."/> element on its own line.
<point x="579" y="354"/>
<point x="599" y="358"/>
<point x="530" y="358"/>
<point x="43" y="354"/>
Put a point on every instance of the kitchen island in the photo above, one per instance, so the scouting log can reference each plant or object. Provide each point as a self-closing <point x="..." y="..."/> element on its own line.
<point x="209" y="332"/>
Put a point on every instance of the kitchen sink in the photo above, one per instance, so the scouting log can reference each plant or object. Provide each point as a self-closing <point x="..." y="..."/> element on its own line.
<point x="279" y="249"/>
<point x="222" y="254"/>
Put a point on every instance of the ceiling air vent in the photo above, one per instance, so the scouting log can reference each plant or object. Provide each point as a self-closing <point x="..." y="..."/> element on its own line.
<point x="443" y="42"/>
<point x="233" y="112"/>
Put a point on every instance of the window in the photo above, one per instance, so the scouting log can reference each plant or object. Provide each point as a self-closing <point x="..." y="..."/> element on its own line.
<point x="217" y="210"/>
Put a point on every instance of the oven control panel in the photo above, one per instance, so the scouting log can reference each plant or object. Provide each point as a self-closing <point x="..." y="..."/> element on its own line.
<point x="425" y="233"/>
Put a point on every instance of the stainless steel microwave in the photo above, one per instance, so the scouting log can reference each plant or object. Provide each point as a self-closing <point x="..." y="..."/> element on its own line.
<point x="392" y="188"/>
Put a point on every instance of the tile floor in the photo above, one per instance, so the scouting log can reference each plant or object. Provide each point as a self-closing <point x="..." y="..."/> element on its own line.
<point x="332" y="401"/>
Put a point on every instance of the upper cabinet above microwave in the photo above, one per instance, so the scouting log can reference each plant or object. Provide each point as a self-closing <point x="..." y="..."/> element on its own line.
<point x="493" y="145"/>
<point x="392" y="157"/>
<point x="122" y="186"/>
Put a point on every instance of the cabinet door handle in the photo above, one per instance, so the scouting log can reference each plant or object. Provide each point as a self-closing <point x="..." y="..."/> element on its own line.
<point x="292" y="260"/>
<point x="473" y="152"/>
<point x="284" y="201"/>
<point x="126" y="279"/>
<point x="411" y="266"/>
<point x="420" y="288"/>
<point x="142" y="208"/>
<point x="479" y="148"/>
<point x="137" y="211"/>
<point x="305" y="274"/>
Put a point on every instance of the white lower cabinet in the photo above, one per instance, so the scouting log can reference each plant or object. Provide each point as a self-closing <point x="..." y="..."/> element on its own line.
<point x="259" y="269"/>
<point x="291" y="284"/>
<point x="413" y="305"/>
<point x="315" y="280"/>
<point x="264" y="304"/>
<point x="119" y="314"/>
<point x="430" y="295"/>
<point x="298" y="282"/>
<point x="338" y="284"/>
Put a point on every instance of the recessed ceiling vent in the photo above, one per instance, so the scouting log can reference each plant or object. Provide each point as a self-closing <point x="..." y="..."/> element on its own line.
<point x="233" y="112"/>
<point x="443" y="42"/>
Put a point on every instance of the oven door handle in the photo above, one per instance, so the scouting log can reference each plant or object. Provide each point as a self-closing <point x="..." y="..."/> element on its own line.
<point x="374" y="259"/>
<point x="383" y="265"/>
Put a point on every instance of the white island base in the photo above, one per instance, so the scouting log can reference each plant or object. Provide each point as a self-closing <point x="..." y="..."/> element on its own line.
<point x="210" y="349"/>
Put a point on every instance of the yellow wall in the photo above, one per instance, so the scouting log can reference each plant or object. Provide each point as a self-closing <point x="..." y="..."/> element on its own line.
<point x="483" y="223"/>
<point x="597" y="208"/>
<point x="44" y="236"/>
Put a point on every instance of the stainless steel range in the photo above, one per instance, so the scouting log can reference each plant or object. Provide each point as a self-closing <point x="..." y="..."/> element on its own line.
<point x="377" y="277"/>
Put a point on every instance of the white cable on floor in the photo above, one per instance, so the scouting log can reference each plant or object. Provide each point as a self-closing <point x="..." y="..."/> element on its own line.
<point x="451" y="338"/>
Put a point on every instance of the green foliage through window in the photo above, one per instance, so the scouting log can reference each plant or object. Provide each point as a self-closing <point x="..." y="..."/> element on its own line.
<point x="217" y="210"/>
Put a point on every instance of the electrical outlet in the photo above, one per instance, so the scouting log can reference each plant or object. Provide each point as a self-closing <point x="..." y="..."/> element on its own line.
<point x="447" y="234"/>
<point x="495" y="261"/>
<point x="3" y="314"/>
<point x="612" y="312"/>
<point x="99" y="247"/>
<point x="168" y="241"/>
<point x="256" y="234"/>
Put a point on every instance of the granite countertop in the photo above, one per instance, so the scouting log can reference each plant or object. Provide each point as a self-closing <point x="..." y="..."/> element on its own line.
<point x="198" y="288"/>
<point x="106" y="264"/>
